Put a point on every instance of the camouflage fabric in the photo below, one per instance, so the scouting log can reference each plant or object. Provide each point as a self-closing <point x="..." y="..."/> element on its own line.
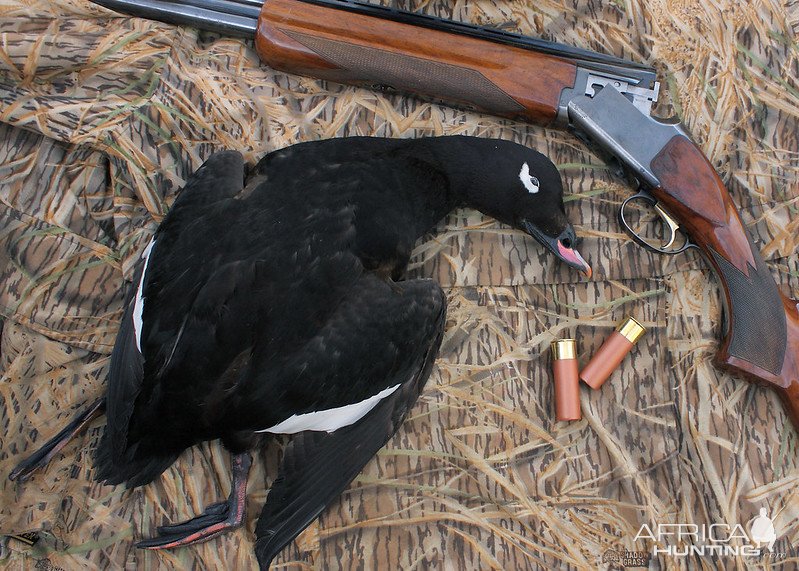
<point x="104" y="116"/>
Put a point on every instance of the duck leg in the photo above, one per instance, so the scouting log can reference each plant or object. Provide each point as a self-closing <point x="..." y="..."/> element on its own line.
<point x="43" y="455"/>
<point x="216" y="519"/>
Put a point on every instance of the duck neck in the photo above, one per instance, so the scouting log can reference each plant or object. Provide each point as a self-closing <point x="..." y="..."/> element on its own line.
<point x="453" y="177"/>
<point x="430" y="193"/>
<point x="465" y="180"/>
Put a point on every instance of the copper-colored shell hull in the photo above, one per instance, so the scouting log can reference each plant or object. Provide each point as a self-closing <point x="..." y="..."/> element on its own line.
<point x="606" y="360"/>
<point x="567" y="389"/>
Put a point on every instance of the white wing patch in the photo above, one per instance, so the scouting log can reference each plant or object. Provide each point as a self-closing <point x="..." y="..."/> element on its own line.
<point x="529" y="182"/>
<point x="330" y="419"/>
<point x="138" y="305"/>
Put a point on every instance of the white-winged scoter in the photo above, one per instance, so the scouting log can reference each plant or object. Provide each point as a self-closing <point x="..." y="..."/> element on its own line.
<point x="272" y="302"/>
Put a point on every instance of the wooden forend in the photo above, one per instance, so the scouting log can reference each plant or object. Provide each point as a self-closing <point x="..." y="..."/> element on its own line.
<point x="359" y="49"/>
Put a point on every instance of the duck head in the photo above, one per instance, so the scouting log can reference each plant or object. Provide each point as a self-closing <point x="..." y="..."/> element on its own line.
<point x="519" y="187"/>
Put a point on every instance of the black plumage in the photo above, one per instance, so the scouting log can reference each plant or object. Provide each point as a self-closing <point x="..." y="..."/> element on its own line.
<point x="269" y="297"/>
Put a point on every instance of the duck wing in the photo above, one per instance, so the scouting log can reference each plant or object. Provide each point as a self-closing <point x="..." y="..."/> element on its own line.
<point x="388" y="348"/>
<point x="221" y="177"/>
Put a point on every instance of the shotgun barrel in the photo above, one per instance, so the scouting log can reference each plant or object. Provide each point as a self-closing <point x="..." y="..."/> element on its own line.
<point x="222" y="16"/>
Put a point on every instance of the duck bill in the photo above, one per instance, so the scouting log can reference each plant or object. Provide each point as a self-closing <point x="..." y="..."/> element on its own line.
<point x="573" y="258"/>
<point x="567" y="254"/>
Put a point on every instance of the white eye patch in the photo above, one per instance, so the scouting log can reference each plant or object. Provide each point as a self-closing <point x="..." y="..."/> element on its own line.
<point x="529" y="182"/>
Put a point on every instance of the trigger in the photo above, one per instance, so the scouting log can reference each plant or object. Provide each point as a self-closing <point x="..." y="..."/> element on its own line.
<point x="672" y="224"/>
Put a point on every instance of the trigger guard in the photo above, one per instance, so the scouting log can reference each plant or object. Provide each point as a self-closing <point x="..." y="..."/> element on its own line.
<point x="640" y="241"/>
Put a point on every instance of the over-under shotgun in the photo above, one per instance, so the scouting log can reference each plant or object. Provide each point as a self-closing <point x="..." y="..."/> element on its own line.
<point x="603" y="99"/>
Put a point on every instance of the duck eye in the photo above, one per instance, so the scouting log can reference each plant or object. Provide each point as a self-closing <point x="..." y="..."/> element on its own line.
<point x="529" y="182"/>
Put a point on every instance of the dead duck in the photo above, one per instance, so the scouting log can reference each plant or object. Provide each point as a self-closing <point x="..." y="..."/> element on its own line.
<point x="271" y="302"/>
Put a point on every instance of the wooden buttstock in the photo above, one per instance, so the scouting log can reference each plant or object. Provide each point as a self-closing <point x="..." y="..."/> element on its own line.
<point x="762" y="337"/>
<point x="387" y="55"/>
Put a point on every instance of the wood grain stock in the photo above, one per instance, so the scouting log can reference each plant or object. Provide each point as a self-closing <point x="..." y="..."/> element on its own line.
<point x="386" y="55"/>
<point x="762" y="337"/>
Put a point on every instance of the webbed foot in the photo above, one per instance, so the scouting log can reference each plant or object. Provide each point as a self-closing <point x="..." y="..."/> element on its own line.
<point x="216" y="519"/>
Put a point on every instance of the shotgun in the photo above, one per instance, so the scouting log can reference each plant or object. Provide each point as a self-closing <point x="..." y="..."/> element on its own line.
<point x="606" y="101"/>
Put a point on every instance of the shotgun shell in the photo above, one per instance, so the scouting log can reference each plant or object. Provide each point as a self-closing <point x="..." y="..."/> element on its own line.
<point x="567" y="380"/>
<point x="612" y="352"/>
